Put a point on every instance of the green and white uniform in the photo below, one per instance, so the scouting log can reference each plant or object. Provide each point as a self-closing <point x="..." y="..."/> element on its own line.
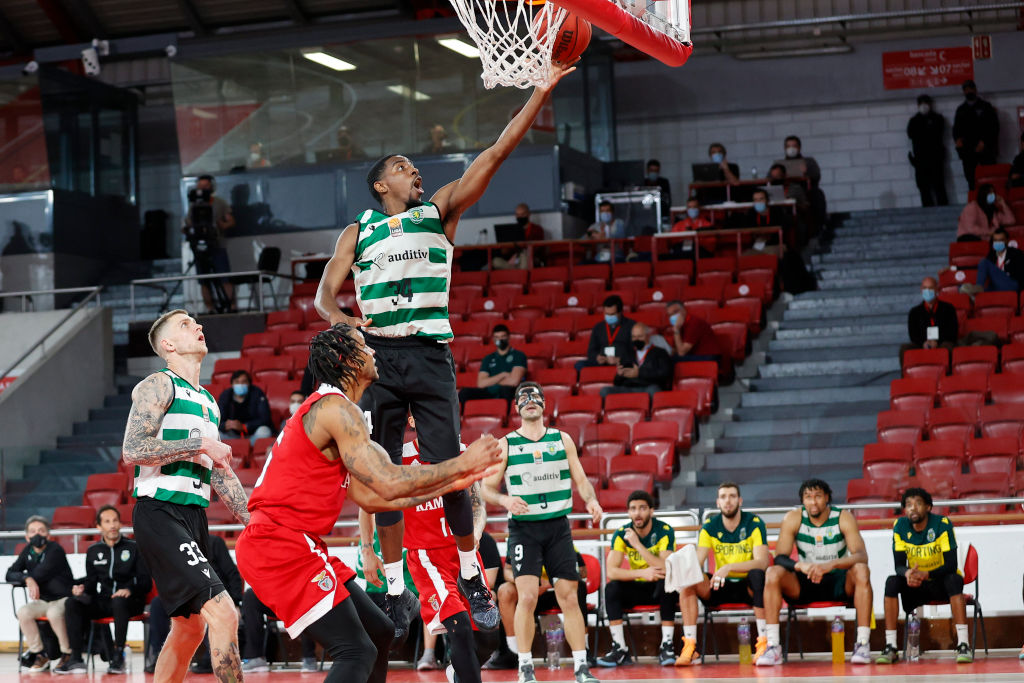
<point x="193" y="413"/>
<point x="820" y="543"/>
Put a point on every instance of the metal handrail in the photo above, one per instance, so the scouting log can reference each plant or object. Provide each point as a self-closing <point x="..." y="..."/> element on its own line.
<point x="155" y="283"/>
<point x="94" y="294"/>
<point x="25" y="294"/>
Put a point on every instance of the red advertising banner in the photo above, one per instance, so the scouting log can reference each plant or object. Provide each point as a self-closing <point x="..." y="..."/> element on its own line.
<point x="931" y="68"/>
<point x="982" y="47"/>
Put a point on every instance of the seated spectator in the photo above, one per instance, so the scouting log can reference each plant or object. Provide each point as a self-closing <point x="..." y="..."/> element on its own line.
<point x="607" y="226"/>
<point x="738" y="543"/>
<point x="924" y="552"/>
<point x="254" y="626"/>
<point x="653" y="179"/>
<point x="1003" y="269"/>
<point x="256" y="157"/>
<point x="798" y="193"/>
<point x="932" y="323"/>
<point x="531" y="231"/>
<point x="695" y="220"/>
<point x="692" y="336"/>
<point x="244" y="410"/>
<point x="116" y="584"/>
<point x="763" y="215"/>
<point x="728" y="172"/>
<point x="347" y="147"/>
<point x="610" y="340"/>
<point x="981" y="217"/>
<point x="42" y="567"/>
<point x="439" y="143"/>
<point x="160" y="621"/>
<point x="1017" y="167"/>
<point x="500" y="372"/>
<point x="797" y="164"/>
<point x="294" y="401"/>
<point x="646" y="541"/>
<point x="651" y="372"/>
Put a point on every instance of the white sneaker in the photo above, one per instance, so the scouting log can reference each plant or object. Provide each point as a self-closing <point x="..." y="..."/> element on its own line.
<point x="771" y="657"/>
<point x="426" y="663"/>
<point x="450" y="673"/>
<point x="861" y="654"/>
<point x="256" y="665"/>
<point x="310" y="665"/>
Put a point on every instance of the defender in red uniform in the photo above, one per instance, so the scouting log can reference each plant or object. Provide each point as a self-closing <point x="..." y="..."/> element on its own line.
<point x="323" y="454"/>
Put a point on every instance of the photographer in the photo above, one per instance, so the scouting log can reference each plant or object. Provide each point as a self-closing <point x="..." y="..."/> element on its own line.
<point x="208" y="217"/>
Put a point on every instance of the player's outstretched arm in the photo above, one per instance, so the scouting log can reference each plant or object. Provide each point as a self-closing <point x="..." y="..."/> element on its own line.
<point x="335" y="272"/>
<point x="150" y="400"/>
<point x="453" y="199"/>
<point x="370" y="501"/>
<point x="230" y="489"/>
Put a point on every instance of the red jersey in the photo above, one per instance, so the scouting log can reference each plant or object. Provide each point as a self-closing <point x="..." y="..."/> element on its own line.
<point x="425" y="524"/>
<point x="299" y="488"/>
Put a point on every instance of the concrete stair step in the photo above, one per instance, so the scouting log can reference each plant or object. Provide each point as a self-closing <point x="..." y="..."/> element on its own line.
<point x="878" y="271"/>
<point x="821" y="342"/>
<point x="118" y="401"/>
<point x="806" y="411"/>
<point x="846" y="239"/>
<point x="840" y="295"/>
<point x="90" y="440"/>
<point x="801" y="425"/>
<point x="838" y="353"/>
<point x="798" y="457"/>
<point x="887" y="363"/>
<point x="791" y="476"/>
<point x="886" y="327"/>
<point x="100" y="427"/>
<point x="65" y="470"/>
<point x="800" y="384"/>
<point x="109" y="414"/>
<point x="858" y="438"/>
<point x="842" y="397"/>
<point x="845" y="311"/>
<point x="907" y="282"/>
<point x="857" y="321"/>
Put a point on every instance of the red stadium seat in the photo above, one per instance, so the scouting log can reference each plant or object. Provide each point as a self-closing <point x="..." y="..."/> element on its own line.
<point x="553" y="330"/>
<point x="73" y="517"/>
<point x="530" y="306"/>
<point x="1004" y="450"/>
<point x="1000" y="324"/>
<point x="1015" y="330"/>
<point x="910" y="393"/>
<point x="963" y="304"/>
<point x="465" y="380"/>
<point x="606" y="440"/>
<point x="613" y="500"/>
<point x="597" y="272"/>
<point x="969" y="360"/>
<point x="515" y="276"/>
<point x="568" y="353"/>
<point x="549" y="274"/>
<point x="679" y="407"/>
<point x="766" y="264"/>
<point x="673" y="270"/>
<point x="104" y="489"/>
<point x="733" y="336"/>
<point x="557" y="382"/>
<point x="267" y="368"/>
<point x="939" y="458"/>
<point x="240" y="452"/>
<point x="654" y="318"/>
<point x="632" y="269"/>
<point x="702" y="377"/>
<point x="596" y="469"/>
<point x="963" y="391"/>
<point x="475" y="356"/>
<point x="224" y="367"/>
<point x="1006" y="389"/>
<point x="486" y="414"/>
<point x="657" y="439"/>
<point x="901" y="426"/>
<point x="1013" y="359"/>
<point x="714" y="279"/>
<point x="868" y="491"/>
<point x="476" y="330"/>
<point x="697" y="294"/>
<point x="286" y="320"/>
<point x="627" y="408"/>
<point x="578" y="410"/>
<point x="995" y="303"/>
<point x="967" y="254"/>
<point x="925" y="363"/>
<point x="538" y="350"/>
<point x="996" y="174"/>
<point x="572" y="303"/>
<point x="951" y="424"/>
<point x="261" y="446"/>
<point x="743" y="291"/>
<point x="217" y="388"/>
<point x="887" y="461"/>
<point x="951" y="279"/>
<point x="719" y="264"/>
<point x="975" y="486"/>
<point x="295" y="340"/>
<point x="632" y="473"/>
<point x="593" y="379"/>
<point x="1001" y="420"/>
<point x="260" y="344"/>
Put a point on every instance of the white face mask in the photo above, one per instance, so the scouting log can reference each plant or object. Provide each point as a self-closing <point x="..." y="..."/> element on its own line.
<point x="255" y="156"/>
<point x="924" y="109"/>
<point x="792" y="152"/>
<point x="293" y="406"/>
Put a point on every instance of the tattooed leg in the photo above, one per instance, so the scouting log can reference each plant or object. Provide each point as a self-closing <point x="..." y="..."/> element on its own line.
<point x="222" y="617"/>
<point x="185" y="636"/>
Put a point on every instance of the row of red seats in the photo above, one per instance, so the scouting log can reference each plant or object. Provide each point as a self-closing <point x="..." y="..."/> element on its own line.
<point x="623" y="472"/>
<point x="998" y="175"/>
<point x="1005" y="304"/>
<point x="966" y="360"/>
<point x="939" y="459"/>
<point x="956" y="391"/>
<point x="912" y="425"/>
<point x="290" y="365"/>
<point x="959" y="487"/>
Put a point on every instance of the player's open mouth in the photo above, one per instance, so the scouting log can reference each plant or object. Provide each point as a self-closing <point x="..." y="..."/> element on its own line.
<point x="202" y="338"/>
<point x="418" y="184"/>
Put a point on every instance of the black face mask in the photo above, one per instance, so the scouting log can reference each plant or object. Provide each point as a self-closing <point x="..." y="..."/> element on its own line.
<point x="522" y="220"/>
<point x="971" y="96"/>
<point x="502" y="344"/>
<point x="776" y="181"/>
<point x="638" y="344"/>
<point x="37" y="541"/>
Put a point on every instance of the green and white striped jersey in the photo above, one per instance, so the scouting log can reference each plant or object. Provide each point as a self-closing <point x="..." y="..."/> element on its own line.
<point x="538" y="472"/>
<point x="192" y="413"/>
<point x="820" y="543"/>
<point x="402" y="272"/>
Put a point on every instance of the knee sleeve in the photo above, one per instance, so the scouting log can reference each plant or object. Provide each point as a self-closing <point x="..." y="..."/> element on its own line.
<point x="459" y="512"/>
<point x="756" y="579"/>
<point x="613" y="600"/>
<point x="388" y="517"/>
<point x="668" y="605"/>
<point x="893" y="585"/>
<point x="462" y="648"/>
<point x="954" y="584"/>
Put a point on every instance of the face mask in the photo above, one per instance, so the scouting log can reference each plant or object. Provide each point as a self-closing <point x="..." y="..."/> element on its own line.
<point x="673" y="319"/>
<point x="639" y="344"/>
<point x="522" y="220"/>
<point x="718" y="157"/>
<point x="760" y="207"/>
<point x="692" y="212"/>
<point x="999" y="246"/>
<point x="606" y="216"/>
<point x="37" y="541"/>
<point x="240" y="389"/>
<point x="612" y="319"/>
<point x="292" y="407"/>
<point x="924" y="109"/>
<point x="652" y="177"/>
<point x="990" y="198"/>
<point x="792" y="152"/>
<point x="776" y="181"/>
<point x="528" y="396"/>
<point x="971" y="96"/>
<point x="928" y="295"/>
<point x="255" y="156"/>
<point x="502" y="344"/>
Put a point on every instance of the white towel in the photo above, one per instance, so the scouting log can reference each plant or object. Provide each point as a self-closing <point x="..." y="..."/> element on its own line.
<point x="682" y="569"/>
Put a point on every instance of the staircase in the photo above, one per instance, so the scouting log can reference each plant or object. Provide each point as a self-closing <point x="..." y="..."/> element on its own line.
<point x="812" y="403"/>
<point x="149" y="301"/>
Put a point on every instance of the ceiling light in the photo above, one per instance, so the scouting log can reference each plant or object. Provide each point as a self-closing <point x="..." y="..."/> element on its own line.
<point x="462" y="47"/>
<point x="330" y="61"/>
<point x="406" y="91"/>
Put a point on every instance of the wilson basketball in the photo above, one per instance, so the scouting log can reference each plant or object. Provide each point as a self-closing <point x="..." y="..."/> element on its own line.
<point x="571" y="39"/>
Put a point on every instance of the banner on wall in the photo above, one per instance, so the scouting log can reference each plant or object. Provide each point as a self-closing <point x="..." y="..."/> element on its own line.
<point x="931" y="68"/>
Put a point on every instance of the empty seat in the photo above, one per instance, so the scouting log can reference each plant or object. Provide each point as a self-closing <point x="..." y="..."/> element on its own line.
<point x="486" y="414"/>
<point x="568" y="353"/>
<point x="283" y="321"/>
<point x="549" y="274"/>
<point x="530" y="306"/>
<point x="887" y="461"/>
<point x="969" y="360"/>
<point x="552" y="330"/>
<point x="295" y="340"/>
<point x="593" y="379"/>
<point x="998" y="324"/>
<point x="993" y="455"/>
<point x="702" y="377"/>
<point x="1006" y="389"/>
<point x="224" y="367"/>
<point x="1001" y="420"/>
<point x="578" y="410"/>
<point x="732" y="335"/>
<point x="995" y="303"/>
<point x="912" y="393"/>
<point x="925" y="363"/>
<point x="240" y="451"/>
<point x="266" y="368"/>
<point x="951" y="424"/>
<point x="939" y="459"/>
<point x="657" y="439"/>
<point x="869" y="491"/>
<point x="596" y="469"/>
<point x="679" y="407"/>
<point x="632" y="473"/>
<point x="1015" y="330"/>
<point x="951" y="279"/>
<point x="606" y="440"/>
<point x="975" y="486"/>
<point x="710" y="294"/>
<point x="573" y="302"/>
<point x="557" y="382"/>
<point x="476" y="330"/>
<point x="900" y="426"/>
<point x="260" y="344"/>
<point x="105" y="489"/>
<point x="74" y="517"/>
<point x="613" y="500"/>
<point x="963" y="391"/>
<point x="967" y="254"/>
<point x="627" y="408"/>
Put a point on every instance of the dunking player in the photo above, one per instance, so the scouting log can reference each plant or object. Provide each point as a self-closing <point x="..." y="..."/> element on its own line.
<point x="324" y="453"/>
<point x="172" y="439"/>
<point x="540" y="467"/>
<point x="401" y="260"/>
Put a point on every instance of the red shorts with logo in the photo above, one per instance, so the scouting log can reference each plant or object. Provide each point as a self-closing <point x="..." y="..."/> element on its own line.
<point x="291" y="573"/>
<point x="435" y="571"/>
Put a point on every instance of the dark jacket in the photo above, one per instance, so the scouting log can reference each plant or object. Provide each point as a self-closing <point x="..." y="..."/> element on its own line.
<point x="1013" y="265"/>
<point x="919" y="320"/>
<point x="925" y="133"/>
<point x="1017" y="168"/>
<point x="657" y="369"/>
<point x="49" y="568"/>
<point x="253" y="411"/>
<point x="109" y="569"/>
<point x="976" y="121"/>
<point x="623" y="343"/>
<point x="220" y="560"/>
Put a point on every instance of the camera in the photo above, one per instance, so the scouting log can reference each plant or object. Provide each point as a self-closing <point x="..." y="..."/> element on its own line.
<point x="201" y="232"/>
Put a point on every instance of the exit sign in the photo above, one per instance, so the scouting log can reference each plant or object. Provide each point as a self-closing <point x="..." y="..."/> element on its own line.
<point x="982" y="47"/>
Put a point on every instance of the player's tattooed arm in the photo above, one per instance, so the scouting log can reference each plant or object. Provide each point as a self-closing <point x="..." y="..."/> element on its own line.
<point x="150" y="400"/>
<point x="479" y="510"/>
<point x="230" y="490"/>
<point x="370" y="501"/>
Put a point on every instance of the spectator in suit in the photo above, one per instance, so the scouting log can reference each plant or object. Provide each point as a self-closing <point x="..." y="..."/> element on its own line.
<point x="651" y="372"/>
<point x="1017" y="167"/>
<point x="610" y="341"/>
<point x="695" y="220"/>
<point x="981" y="217"/>
<point x="42" y="567"/>
<point x="925" y="131"/>
<point x="1003" y="269"/>
<point x="116" y="584"/>
<point x="975" y="131"/>
<point x="653" y="179"/>
<point x="728" y="172"/>
<point x="244" y="410"/>
<point x="762" y="215"/>
<point x="932" y="323"/>
<point x="692" y="337"/>
<point x="500" y="372"/>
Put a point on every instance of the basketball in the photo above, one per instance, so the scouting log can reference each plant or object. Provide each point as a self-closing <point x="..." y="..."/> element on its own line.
<point x="571" y="39"/>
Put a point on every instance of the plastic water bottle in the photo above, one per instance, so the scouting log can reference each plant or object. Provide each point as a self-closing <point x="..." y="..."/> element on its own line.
<point x="127" y="654"/>
<point x="913" y="653"/>
<point x="743" y="636"/>
<point x="838" y="641"/>
<point x="555" y="635"/>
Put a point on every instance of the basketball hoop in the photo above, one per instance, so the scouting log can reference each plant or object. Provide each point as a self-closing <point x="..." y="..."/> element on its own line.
<point x="515" y="37"/>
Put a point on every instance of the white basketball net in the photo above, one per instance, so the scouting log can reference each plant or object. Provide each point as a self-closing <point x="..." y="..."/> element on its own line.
<point x="512" y="51"/>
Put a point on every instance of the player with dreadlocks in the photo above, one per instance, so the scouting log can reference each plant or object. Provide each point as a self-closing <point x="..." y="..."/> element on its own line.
<point x="324" y="453"/>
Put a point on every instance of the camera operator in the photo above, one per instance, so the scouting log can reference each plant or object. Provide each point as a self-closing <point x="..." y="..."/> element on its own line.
<point x="208" y="217"/>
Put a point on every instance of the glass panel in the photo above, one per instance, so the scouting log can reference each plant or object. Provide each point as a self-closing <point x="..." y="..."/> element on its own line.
<point x="112" y="162"/>
<point x="23" y="163"/>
